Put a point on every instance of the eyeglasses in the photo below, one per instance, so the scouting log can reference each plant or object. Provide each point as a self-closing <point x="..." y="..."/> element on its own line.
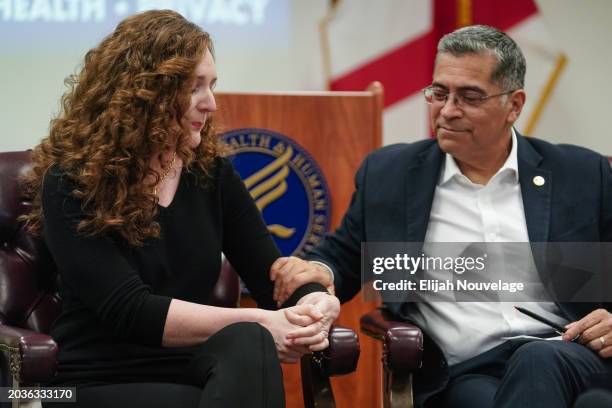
<point x="438" y="96"/>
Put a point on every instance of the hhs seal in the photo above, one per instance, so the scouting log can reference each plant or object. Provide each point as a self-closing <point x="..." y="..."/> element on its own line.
<point x="286" y="184"/>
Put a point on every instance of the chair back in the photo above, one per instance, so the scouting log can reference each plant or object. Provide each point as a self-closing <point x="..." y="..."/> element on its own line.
<point x="28" y="278"/>
<point x="29" y="295"/>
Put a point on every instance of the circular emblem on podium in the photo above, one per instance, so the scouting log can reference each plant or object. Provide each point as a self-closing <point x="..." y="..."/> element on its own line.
<point x="286" y="184"/>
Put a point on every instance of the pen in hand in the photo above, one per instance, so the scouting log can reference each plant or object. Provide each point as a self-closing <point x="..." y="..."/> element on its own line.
<point x="559" y="329"/>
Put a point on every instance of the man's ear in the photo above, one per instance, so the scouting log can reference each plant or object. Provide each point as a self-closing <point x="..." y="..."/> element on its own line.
<point x="516" y="100"/>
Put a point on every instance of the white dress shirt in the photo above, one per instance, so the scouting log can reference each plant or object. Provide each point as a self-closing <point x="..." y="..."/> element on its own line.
<point x="463" y="211"/>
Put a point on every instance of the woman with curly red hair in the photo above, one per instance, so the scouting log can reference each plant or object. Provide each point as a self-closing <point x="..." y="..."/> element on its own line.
<point x="136" y="203"/>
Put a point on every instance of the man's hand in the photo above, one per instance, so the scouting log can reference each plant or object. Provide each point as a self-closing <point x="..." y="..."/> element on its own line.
<point x="315" y="334"/>
<point x="595" y="330"/>
<point x="289" y="273"/>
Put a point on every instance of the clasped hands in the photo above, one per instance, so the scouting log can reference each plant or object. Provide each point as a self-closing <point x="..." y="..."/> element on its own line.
<point x="305" y="327"/>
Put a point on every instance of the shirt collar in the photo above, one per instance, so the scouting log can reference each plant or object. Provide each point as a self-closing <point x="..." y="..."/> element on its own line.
<point x="450" y="168"/>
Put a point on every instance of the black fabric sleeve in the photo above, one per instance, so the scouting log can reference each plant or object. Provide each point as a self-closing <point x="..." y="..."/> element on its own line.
<point x="247" y="242"/>
<point x="341" y="250"/>
<point x="94" y="272"/>
<point x="303" y="291"/>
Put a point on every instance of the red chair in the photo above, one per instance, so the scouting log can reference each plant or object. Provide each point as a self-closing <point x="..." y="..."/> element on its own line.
<point x="30" y="302"/>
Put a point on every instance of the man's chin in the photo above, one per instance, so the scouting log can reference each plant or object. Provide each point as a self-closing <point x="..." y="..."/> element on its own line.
<point x="449" y="145"/>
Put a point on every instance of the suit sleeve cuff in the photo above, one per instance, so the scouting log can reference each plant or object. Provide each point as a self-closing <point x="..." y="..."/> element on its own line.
<point x="326" y="267"/>
<point x="303" y="291"/>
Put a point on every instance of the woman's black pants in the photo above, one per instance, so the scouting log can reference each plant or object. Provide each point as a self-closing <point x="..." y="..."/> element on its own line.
<point x="236" y="367"/>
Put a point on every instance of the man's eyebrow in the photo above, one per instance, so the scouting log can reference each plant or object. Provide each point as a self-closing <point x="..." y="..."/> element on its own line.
<point x="438" y="85"/>
<point x="474" y="88"/>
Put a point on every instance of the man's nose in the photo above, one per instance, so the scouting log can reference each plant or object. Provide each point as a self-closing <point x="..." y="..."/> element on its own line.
<point x="450" y="109"/>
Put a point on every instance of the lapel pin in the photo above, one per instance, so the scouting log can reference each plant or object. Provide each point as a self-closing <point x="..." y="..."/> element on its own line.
<point x="539" y="181"/>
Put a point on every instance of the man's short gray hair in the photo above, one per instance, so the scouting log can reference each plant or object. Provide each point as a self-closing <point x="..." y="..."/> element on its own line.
<point x="480" y="39"/>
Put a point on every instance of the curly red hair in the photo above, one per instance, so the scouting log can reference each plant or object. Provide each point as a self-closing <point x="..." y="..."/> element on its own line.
<point x="124" y="107"/>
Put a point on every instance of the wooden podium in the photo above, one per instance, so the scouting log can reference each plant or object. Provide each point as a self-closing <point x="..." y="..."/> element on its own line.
<point x="338" y="129"/>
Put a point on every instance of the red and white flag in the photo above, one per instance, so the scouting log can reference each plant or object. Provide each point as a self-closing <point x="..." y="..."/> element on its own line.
<point x="394" y="42"/>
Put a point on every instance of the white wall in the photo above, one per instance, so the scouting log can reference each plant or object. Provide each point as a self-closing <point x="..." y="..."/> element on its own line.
<point x="580" y="108"/>
<point x="30" y="92"/>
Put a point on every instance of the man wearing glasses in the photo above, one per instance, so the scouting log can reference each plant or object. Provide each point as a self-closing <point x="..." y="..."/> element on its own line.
<point x="478" y="181"/>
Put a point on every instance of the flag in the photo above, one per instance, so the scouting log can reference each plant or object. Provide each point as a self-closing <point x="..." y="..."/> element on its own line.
<point x="394" y="42"/>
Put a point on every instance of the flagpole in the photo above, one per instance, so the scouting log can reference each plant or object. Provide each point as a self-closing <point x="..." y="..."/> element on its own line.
<point x="464" y="13"/>
<point x="324" y="37"/>
<point x="545" y="95"/>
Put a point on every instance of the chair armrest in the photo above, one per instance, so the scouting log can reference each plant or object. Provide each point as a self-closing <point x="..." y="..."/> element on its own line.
<point x="32" y="355"/>
<point x="402" y="342"/>
<point x="342" y="355"/>
<point x="338" y="359"/>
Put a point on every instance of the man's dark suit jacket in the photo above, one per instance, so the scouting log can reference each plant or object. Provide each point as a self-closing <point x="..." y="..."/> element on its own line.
<point x="395" y="187"/>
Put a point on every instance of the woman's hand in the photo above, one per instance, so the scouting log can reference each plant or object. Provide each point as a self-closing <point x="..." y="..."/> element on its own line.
<point x="314" y="335"/>
<point x="282" y="322"/>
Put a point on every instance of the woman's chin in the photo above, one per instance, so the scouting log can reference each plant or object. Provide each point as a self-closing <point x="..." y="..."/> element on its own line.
<point x="195" y="140"/>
